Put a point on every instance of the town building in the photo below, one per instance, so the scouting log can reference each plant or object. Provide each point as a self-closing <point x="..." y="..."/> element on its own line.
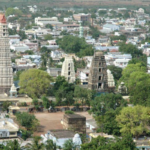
<point x="44" y="21"/>
<point x="6" y="76"/>
<point x="68" y="69"/>
<point x="82" y="17"/>
<point x="111" y="27"/>
<point x="98" y="73"/>
<point x="74" y="122"/>
<point x="8" y="129"/>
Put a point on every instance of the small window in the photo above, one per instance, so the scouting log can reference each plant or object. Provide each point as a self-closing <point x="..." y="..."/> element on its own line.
<point x="3" y="34"/>
<point x="87" y="75"/>
<point x="69" y="68"/>
<point x="100" y="69"/>
<point x="99" y="85"/>
<point x="100" y="77"/>
<point x="100" y="64"/>
<point x="68" y="73"/>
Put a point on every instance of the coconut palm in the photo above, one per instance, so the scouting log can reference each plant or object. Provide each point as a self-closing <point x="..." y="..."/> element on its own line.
<point x="36" y="145"/>
<point x="68" y="145"/>
<point x="50" y="145"/>
<point x="12" y="145"/>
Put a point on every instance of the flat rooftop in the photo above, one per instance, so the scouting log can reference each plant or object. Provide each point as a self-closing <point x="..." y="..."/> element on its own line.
<point x="62" y="133"/>
<point x="74" y="116"/>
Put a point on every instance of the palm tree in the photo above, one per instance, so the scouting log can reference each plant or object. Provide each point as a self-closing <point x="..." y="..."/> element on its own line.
<point x="13" y="145"/>
<point x="50" y="145"/>
<point x="36" y="145"/>
<point x="68" y="145"/>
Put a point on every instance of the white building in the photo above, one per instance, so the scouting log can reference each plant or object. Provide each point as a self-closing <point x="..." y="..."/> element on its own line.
<point x="19" y="47"/>
<point x="61" y="136"/>
<point x="44" y="21"/>
<point x="8" y="129"/>
<point x="122" y="63"/>
<point x="111" y="27"/>
<point x="56" y="54"/>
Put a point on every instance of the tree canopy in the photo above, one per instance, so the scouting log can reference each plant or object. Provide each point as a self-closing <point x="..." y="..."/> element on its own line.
<point x="27" y="120"/>
<point x="63" y="91"/>
<point x="130" y="49"/>
<point x="134" y="120"/>
<point x="139" y="87"/>
<point x="34" y="82"/>
<point x="116" y="71"/>
<point x="107" y="123"/>
<point x="74" y="44"/>
<point x="101" y="143"/>
<point x="12" y="11"/>
<point x="131" y="68"/>
<point x="105" y="102"/>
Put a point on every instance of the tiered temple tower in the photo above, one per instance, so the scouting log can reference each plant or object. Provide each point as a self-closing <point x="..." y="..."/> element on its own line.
<point x="98" y="73"/>
<point x="68" y="69"/>
<point x="111" y="81"/>
<point x="6" y="76"/>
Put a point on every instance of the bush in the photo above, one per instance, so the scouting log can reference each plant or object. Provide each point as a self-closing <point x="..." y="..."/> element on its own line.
<point x="27" y="120"/>
<point x="26" y="134"/>
<point x="69" y="112"/>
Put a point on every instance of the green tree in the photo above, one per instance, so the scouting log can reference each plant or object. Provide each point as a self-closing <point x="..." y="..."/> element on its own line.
<point x="17" y="75"/>
<point x="74" y="44"/>
<point x="12" y="145"/>
<point x="29" y="52"/>
<point x="107" y="123"/>
<point x="141" y="59"/>
<point x="94" y="32"/>
<point x="138" y="67"/>
<point x="134" y="120"/>
<point x="68" y="145"/>
<point x="106" y="102"/>
<point x="121" y="37"/>
<point x="27" y="120"/>
<point x="63" y="91"/>
<point x="50" y="145"/>
<point x="49" y="26"/>
<point x="12" y="11"/>
<point x="34" y="82"/>
<point x="116" y="71"/>
<point x="130" y="49"/>
<point x="48" y="37"/>
<point x="101" y="143"/>
<point x="37" y="145"/>
<point x="46" y="102"/>
<point x="6" y="104"/>
<point x="84" y="95"/>
<point x="26" y="134"/>
<point x="139" y="87"/>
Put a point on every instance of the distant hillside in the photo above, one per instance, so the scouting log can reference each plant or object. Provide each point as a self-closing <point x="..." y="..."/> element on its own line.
<point x="78" y="3"/>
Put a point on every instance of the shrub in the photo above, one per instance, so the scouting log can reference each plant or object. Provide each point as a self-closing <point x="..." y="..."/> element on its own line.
<point x="69" y="112"/>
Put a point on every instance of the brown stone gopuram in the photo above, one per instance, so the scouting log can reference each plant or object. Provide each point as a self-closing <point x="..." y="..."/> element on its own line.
<point x="98" y="73"/>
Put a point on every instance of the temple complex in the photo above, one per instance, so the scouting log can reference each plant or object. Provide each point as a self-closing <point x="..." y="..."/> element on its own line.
<point x="68" y="69"/>
<point x="98" y="73"/>
<point x="6" y="75"/>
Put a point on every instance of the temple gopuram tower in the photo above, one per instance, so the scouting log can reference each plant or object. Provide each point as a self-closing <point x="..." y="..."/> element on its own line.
<point x="98" y="73"/>
<point x="6" y="75"/>
<point x="68" y="69"/>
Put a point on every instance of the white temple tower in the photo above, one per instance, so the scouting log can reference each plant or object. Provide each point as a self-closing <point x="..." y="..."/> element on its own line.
<point x="110" y="79"/>
<point x="6" y="75"/>
<point x="68" y="69"/>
